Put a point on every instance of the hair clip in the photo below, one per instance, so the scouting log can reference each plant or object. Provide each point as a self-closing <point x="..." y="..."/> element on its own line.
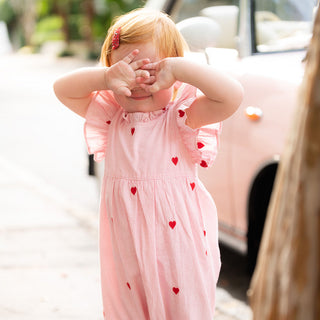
<point x="116" y="39"/>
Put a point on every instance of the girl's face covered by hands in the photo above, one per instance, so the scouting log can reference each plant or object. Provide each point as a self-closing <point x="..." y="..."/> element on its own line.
<point x="128" y="62"/>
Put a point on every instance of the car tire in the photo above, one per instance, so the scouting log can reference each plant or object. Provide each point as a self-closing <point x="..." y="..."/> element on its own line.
<point x="258" y="203"/>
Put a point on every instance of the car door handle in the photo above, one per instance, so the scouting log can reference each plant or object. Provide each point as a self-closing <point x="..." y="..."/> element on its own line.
<point x="253" y="113"/>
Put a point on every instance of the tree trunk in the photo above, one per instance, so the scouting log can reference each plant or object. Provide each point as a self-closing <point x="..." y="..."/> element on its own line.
<point x="62" y="8"/>
<point x="88" y="7"/>
<point x="26" y="12"/>
<point x="286" y="283"/>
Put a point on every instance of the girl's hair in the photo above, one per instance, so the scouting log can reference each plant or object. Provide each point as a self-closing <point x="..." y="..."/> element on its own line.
<point x="142" y="25"/>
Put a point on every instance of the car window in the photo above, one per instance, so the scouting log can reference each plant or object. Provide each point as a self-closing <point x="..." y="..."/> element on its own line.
<point x="225" y="15"/>
<point x="283" y="24"/>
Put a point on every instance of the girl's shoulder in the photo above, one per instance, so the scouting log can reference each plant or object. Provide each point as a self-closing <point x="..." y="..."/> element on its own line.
<point x="104" y="100"/>
<point x="99" y="117"/>
<point x="183" y="92"/>
<point x="202" y="143"/>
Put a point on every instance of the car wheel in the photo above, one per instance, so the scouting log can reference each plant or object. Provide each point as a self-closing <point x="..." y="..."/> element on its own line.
<point x="257" y="210"/>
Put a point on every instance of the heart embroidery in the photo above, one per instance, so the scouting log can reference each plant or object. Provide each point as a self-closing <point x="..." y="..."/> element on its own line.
<point x="193" y="185"/>
<point x="108" y="122"/>
<point x="133" y="130"/>
<point x="133" y="190"/>
<point x="175" y="160"/>
<point x="203" y="164"/>
<point x="128" y="284"/>
<point x="175" y="290"/>
<point x="172" y="224"/>
<point x="181" y="113"/>
<point x="200" y="145"/>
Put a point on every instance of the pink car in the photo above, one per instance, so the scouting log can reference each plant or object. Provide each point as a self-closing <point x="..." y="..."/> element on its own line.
<point x="263" y="44"/>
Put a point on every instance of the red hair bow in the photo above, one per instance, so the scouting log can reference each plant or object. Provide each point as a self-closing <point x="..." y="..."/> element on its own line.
<point x="116" y="39"/>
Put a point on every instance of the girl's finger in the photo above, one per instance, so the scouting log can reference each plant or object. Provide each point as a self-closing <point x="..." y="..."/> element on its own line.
<point x="124" y="91"/>
<point x="139" y="63"/>
<point x="150" y="66"/>
<point x="152" y="72"/>
<point x="152" y="88"/>
<point x="142" y="73"/>
<point x="148" y="81"/>
<point x="129" y="58"/>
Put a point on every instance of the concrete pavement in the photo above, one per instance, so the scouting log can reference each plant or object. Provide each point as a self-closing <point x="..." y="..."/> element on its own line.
<point x="49" y="267"/>
<point x="49" y="259"/>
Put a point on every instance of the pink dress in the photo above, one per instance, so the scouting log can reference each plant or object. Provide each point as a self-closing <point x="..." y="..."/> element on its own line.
<point x="158" y="224"/>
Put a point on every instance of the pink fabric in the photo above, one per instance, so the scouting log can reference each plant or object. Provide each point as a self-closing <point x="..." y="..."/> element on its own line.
<point x="158" y="224"/>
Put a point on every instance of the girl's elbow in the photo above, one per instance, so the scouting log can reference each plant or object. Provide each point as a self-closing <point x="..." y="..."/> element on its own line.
<point x="234" y="101"/>
<point x="59" y="92"/>
<point x="240" y="93"/>
<point x="57" y="89"/>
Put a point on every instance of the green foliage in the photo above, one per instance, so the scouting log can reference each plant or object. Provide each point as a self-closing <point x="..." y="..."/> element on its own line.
<point x="76" y="24"/>
<point x="48" y="28"/>
<point x="43" y="8"/>
<point x="110" y="10"/>
<point x="64" y="19"/>
<point x="6" y="11"/>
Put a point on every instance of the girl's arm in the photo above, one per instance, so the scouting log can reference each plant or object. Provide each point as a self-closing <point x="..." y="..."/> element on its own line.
<point x="75" y="88"/>
<point x="221" y="97"/>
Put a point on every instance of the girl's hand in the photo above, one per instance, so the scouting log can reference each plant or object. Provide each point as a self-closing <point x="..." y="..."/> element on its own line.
<point x="219" y="97"/>
<point x="126" y="74"/>
<point x="161" y="75"/>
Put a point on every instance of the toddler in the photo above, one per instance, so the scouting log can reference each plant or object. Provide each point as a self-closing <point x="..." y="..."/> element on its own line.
<point x="153" y="116"/>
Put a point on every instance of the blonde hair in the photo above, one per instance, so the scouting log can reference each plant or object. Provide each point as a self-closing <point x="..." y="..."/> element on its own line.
<point x="142" y="25"/>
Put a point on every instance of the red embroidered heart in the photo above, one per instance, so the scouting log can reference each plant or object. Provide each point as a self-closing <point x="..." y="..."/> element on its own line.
<point x="175" y="160"/>
<point x="204" y="232"/>
<point x="200" y="145"/>
<point x="128" y="284"/>
<point x="181" y="113"/>
<point x="172" y="224"/>
<point x="133" y="130"/>
<point x="203" y="164"/>
<point x="175" y="290"/>
<point x="193" y="185"/>
<point x="108" y="122"/>
<point x="133" y="190"/>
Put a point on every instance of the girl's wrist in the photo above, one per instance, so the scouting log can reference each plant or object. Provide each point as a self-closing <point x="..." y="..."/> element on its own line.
<point x="177" y="66"/>
<point x="95" y="78"/>
<point x="106" y="78"/>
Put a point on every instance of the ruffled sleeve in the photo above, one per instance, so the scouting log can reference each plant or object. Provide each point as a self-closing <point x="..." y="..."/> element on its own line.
<point x="202" y="143"/>
<point x="98" y="121"/>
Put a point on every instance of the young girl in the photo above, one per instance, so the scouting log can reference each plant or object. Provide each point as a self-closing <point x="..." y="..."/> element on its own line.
<point x="144" y="116"/>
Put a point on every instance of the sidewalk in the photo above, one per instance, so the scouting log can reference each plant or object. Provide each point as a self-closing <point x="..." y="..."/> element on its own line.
<point x="49" y="255"/>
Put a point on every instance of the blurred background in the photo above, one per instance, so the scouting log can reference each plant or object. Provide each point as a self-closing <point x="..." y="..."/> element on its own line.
<point x="68" y="24"/>
<point x="49" y="264"/>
